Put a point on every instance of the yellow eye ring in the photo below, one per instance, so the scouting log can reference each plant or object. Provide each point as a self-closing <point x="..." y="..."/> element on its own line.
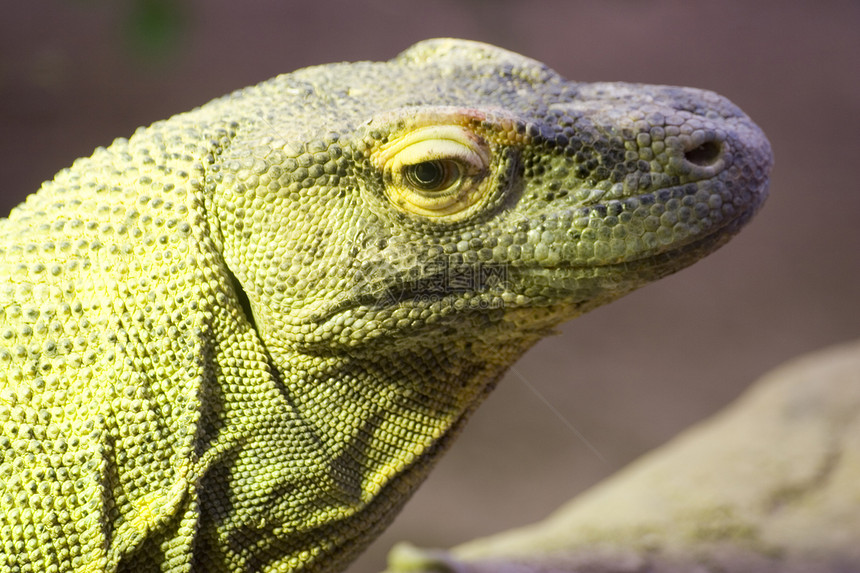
<point x="434" y="171"/>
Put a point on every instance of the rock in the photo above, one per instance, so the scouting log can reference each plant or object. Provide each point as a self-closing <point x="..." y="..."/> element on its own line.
<point x="770" y="484"/>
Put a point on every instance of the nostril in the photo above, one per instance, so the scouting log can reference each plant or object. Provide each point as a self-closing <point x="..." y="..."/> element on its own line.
<point x="705" y="154"/>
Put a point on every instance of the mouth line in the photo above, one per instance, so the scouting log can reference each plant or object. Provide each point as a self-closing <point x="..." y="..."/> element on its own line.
<point x="651" y="259"/>
<point x="614" y="207"/>
<point x="598" y="202"/>
<point x="673" y="258"/>
<point x="711" y="240"/>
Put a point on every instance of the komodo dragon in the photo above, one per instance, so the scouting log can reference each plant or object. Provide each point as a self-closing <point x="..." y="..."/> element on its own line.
<point x="238" y="340"/>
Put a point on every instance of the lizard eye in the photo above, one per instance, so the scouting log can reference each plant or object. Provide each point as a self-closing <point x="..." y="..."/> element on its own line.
<point x="432" y="176"/>
<point x="434" y="171"/>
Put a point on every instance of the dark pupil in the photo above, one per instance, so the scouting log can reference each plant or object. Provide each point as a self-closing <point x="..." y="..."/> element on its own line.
<point x="426" y="175"/>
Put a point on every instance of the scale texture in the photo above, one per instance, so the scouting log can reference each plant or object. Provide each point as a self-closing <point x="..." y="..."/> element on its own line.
<point x="238" y="339"/>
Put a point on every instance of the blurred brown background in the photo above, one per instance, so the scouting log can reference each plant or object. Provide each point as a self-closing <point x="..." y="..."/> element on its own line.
<point x="76" y="74"/>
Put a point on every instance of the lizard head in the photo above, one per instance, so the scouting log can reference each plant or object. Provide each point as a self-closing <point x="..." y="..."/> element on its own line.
<point x="464" y="190"/>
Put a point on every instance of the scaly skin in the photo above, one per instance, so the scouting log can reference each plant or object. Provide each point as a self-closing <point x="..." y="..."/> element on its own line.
<point x="238" y="340"/>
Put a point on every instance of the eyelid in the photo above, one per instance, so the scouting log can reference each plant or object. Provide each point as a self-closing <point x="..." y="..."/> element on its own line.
<point x="471" y="161"/>
<point x="434" y="142"/>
